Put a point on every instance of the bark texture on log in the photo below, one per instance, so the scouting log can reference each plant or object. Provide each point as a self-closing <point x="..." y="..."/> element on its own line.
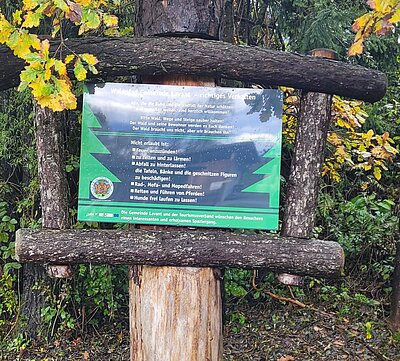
<point x="211" y="248"/>
<point x="394" y="319"/>
<point x="33" y="299"/>
<point x="51" y="162"/>
<point x="175" y="314"/>
<point x="305" y="169"/>
<point x="187" y="17"/>
<point x="161" y="56"/>
<point x="52" y="177"/>
<point x="53" y="195"/>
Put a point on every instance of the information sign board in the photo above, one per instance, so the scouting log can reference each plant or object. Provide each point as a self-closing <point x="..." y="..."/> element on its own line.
<point x="180" y="155"/>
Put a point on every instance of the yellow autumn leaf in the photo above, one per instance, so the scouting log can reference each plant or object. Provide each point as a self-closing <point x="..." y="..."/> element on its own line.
<point x="369" y="135"/>
<point x="37" y="87"/>
<point x="89" y="59"/>
<point x="361" y="22"/>
<point x="60" y="97"/>
<point x="6" y="29"/>
<point x="356" y="48"/>
<point x="379" y="5"/>
<point x="47" y="101"/>
<point x="32" y="19"/>
<point x="84" y="2"/>
<point x="48" y="69"/>
<point x="396" y="16"/>
<point x="34" y="41"/>
<point x="44" y="49"/>
<point x="377" y="173"/>
<point x="63" y="94"/>
<point x="69" y="58"/>
<point x="30" y="4"/>
<point x="19" y="43"/>
<point x="111" y="21"/>
<point x="60" y="67"/>
<point x="17" y="19"/>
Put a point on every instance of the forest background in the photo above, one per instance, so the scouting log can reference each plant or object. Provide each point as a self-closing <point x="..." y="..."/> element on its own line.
<point x="358" y="203"/>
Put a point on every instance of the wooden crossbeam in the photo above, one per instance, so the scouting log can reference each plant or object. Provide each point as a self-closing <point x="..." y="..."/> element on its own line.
<point x="188" y="56"/>
<point x="211" y="248"/>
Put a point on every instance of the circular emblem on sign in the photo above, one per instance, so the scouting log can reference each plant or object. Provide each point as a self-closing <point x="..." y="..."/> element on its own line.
<point x="101" y="188"/>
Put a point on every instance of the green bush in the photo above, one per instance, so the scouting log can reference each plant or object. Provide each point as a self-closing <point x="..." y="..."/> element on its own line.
<point x="362" y="225"/>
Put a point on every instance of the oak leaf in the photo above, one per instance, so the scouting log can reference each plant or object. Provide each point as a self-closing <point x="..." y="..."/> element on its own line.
<point x="30" y="4"/>
<point x="32" y="19"/>
<point x="356" y="48"/>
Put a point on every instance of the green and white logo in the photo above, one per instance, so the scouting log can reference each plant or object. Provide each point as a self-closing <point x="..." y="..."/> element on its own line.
<point x="101" y="188"/>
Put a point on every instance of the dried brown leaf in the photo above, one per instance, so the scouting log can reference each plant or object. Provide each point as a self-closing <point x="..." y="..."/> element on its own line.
<point x="286" y="358"/>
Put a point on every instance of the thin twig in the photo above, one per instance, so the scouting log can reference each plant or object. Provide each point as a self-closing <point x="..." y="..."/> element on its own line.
<point x="286" y="299"/>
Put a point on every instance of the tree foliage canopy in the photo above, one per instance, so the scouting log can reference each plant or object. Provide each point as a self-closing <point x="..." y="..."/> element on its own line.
<point x="46" y="74"/>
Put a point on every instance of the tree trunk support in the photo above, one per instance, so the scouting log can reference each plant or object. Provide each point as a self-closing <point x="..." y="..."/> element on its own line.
<point x="305" y="170"/>
<point x="394" y="319"/>
<point x="52" y="177"/>
<point x="175" y="312"/>
<point x="54" y="204"/>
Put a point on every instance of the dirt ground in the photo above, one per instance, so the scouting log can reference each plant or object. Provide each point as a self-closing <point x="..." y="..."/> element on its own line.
<point x="262" y="330"/>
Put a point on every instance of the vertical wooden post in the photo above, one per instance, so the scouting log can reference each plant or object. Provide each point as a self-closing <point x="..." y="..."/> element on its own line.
<point x="52" y="176"/>
<point x="394" y="319"/>
<point x="176" y="312"/>
<point x="54" y="204"/>
<point x="305" y="171"/>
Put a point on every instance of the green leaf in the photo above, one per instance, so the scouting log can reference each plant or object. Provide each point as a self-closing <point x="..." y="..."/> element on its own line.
<point x="61" y="5"/>
<point x="92" y="20"/>
<point x="33" y="58"/>
<point x="13" y="39"/>
<point x="11" y="265"/>
<point x="22" y="86"/>
<point x="28" y="75"/>
<point x="80" y="71"/>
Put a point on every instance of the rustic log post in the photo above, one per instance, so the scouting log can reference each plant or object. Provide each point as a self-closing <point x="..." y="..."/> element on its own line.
<point x="305" y="170"/>
<point x="54" y="204"/>
<point x="394" y="319"/>
<point x="52" y="177"/>
<point x="176" y="313"/>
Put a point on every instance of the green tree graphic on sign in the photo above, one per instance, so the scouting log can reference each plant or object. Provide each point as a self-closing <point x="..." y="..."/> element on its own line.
<point x="270" y="184"/>
<point x="91" y="145"/>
